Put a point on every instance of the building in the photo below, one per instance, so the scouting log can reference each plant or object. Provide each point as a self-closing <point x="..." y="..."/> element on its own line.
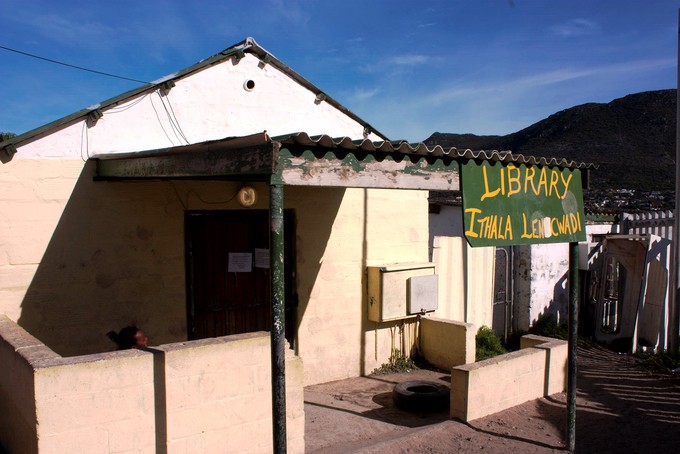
<point x="177" y="206"/>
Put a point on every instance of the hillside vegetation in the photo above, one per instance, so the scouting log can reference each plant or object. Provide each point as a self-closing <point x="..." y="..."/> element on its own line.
<point x="631" y="139"/>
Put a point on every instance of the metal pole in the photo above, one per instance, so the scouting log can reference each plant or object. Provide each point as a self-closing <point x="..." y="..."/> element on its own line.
<point x="278" y="319"/>
<point x="675" y="275"/>
<point x="573" y="337"/>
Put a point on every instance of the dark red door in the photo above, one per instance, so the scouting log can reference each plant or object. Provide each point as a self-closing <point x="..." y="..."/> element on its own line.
<point x="228" y="273"/>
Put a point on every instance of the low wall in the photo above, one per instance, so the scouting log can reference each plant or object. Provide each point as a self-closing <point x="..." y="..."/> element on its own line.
<point x="446" y="343"/>
<point x="486" y="387"/>
<point x="212" y="395"/>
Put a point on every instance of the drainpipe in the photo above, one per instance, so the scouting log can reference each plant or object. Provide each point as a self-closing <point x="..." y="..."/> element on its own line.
<point x="571" y="358"/>
<point x="278" y="320"/>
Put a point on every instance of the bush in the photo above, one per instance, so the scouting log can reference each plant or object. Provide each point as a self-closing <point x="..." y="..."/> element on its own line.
<point x="660" y="362"/>
<point x="487" y="344"/>
<point x="547" y="326"/>
<point x="398" y="362"/>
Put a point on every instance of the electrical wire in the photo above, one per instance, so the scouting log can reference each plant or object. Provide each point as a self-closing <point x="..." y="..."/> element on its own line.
<point x="173" y="120"/>
<point x="129" y="106"/>
<point x="72" y="66"/>
<point x="177" y="121"/>
<point x="84" y="140"/>
<point x="160" y="122"/>
<point x="169" y="110"/>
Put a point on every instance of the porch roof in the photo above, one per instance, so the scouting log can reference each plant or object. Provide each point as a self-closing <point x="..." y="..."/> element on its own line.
<point x="300" y="160"/>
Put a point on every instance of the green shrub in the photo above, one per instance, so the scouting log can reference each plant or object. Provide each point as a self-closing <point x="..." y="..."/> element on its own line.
<point x="488" y="344"/>
<point x="547" y="326"/>
<point x="398" y="362"/>
<point x="661" y="362"/>
<point x="513" y="341"/>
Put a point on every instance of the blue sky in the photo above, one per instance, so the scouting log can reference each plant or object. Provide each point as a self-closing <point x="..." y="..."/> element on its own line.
<point x="409" y="68"/>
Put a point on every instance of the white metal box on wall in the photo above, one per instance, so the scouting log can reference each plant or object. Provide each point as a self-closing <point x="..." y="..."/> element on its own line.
<point x="396" y="291"/>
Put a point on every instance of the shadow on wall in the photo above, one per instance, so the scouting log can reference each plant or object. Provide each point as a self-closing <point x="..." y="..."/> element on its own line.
<point x="114" y="258"/>
<point x="318" y="209"/>
<point x="532" y="278"/>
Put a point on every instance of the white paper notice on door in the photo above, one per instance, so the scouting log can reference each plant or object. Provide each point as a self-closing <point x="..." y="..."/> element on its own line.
<point x="240" y="262"/>
<point x="261" y="258"/>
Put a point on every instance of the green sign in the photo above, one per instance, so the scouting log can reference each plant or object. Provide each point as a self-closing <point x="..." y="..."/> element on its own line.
<point x="507" y="204"/>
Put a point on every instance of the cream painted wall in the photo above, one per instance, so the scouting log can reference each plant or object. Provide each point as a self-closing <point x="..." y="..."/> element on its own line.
<point x="539" y="369"/>
<point x="368" y="228"/>
<point x="84" y="257"/>
<point x="466" y="280"/>
<point x="211" y="395"/>
<point x="95" y="256"/>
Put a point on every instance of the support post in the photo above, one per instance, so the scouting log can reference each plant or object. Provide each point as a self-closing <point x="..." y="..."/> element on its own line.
<point x="573" y="337"/>
<point x="278" y="352"/>
<point x="675" y="267"/>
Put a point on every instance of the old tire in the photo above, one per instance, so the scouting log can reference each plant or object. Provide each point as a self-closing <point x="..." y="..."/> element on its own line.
<point x="421" y="396"/>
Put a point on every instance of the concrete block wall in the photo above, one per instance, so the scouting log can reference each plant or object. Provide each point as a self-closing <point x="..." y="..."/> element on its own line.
<point x="446" y="343"/>
<point x="557" y="352"/>
<point x="492" y="385"/>
<point x="205" y="389"/>
<point x="212" y="395"/>
<point x="17" y="405"/>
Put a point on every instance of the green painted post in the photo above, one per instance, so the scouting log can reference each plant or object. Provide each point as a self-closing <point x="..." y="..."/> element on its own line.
<point x="573" y="337"/>
<point x="278" y="320"/>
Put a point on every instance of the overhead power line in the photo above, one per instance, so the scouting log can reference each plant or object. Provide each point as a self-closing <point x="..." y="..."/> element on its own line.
<point x="72" y="66"/>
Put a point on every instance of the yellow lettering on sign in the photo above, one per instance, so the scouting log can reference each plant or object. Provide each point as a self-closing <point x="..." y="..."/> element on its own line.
<point x="529" y="178"/>
<point x="554" y="179"/>
<point x="551" y="182"/>
<point x="508" y="228"/>
<point x="514" y="185"/>
<point x="542" y="182"/>
<point x="488" y="227"/>
<point x="565" y="183"/>
<point x="472" y="212"/>
<point x="488" y="193"/>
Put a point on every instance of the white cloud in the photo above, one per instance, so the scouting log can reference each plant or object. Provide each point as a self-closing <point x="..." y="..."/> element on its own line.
<point x="362" y="94"/>
<point x="529" y="82"/>
<point x="66" y="29"/>
<point x="408" y="59"/>
<point x="576" y="27"/>
<point x="295" y="12"/>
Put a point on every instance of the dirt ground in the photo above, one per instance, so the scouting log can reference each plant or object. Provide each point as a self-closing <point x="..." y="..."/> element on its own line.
<point x="621" y="408"/>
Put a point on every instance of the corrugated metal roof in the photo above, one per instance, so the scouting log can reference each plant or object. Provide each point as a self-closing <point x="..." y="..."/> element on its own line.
<point x="404" y="147"/>
<point x="303" y="139"/>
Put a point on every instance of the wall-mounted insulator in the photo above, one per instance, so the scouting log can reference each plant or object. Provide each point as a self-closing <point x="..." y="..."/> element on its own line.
<point x="238" y="55"/>
<point x="94" y="116"/>
<point x="10" y="150"/>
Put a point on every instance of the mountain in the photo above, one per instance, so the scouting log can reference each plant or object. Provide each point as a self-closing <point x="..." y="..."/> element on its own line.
<point x="631" y="140"/>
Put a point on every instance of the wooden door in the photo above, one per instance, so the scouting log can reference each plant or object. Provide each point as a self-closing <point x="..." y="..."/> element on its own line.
<point x="228" y="286"/>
